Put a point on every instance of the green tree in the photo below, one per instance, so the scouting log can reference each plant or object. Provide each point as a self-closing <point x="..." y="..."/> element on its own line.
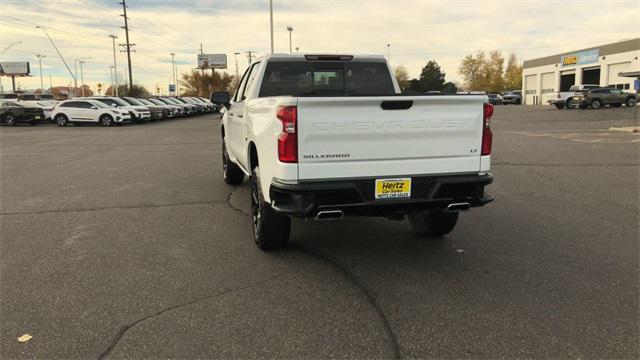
<point x="513" y="74"/>
<point x="402" y="76"/>
<point x="197" y="84"/>
<point x="449" y="88"/>
<point x="431" y="77"/>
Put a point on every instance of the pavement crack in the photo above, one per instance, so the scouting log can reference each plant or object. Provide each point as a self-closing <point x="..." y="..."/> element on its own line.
<point x="121" y="332"/>
<point x="392" y="342"/>
<point x="233" y="207"/>
<point x="100" y="208"/>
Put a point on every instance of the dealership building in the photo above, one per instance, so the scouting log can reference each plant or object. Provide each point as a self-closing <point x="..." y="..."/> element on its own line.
<point x="602" y="65"/>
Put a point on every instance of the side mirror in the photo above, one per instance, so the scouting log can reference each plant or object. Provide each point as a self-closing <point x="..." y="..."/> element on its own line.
<point x="221" y="98"/>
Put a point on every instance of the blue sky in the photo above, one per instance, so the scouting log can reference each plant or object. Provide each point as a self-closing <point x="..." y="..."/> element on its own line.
<point x="418" y="31"/>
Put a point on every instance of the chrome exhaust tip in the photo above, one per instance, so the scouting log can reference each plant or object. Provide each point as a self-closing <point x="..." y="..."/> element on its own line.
<point x="456" y="207"/>
<point x="329" y="215"/>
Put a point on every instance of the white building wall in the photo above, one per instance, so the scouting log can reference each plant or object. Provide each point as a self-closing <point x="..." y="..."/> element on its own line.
<point x="606" y="77"/>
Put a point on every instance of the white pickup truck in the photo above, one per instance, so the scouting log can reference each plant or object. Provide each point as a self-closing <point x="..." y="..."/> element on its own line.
<point x="323" y="136"/>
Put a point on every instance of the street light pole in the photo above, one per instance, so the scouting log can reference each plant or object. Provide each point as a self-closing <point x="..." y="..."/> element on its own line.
<point x="389" y="52"/>
<point x="58" y="51"/>
<point x="115" y="67"/>
<point x="111" y="77"/>
<point x="290" y="29"/>
<point x="173" y="72"/>
<point x="237" y="72"/>
<point x="82" y="78"/>
<point x="2" y="53"/>
<point x="75" y="70"/>
<point x="40" y="63"/>
<point x="271" y="22"/>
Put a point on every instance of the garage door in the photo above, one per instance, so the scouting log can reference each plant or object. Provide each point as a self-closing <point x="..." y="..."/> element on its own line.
<point x="567" y="79"/>
<point x="617" y="81"/>
<point x="548" y="87"/>
<point x="530" y="93"/>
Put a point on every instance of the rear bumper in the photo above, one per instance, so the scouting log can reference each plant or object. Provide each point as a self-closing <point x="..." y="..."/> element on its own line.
<point x="356" y="196"/>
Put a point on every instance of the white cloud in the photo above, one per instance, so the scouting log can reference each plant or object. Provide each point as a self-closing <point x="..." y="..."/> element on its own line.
<point x="417" y="31"/>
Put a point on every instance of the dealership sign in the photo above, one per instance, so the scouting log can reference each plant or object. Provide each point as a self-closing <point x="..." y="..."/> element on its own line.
<point x="14" y="68"/>
<point x="581" y="58"/>
<point x="212" y="61"/>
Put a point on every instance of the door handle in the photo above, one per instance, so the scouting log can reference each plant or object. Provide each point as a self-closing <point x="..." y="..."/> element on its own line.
<point x="240" y="115"/>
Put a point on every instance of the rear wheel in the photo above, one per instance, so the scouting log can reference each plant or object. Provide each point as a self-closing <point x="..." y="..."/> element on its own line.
<point x="432" y="223"/>
<point x="62" y="120"/>
<point x="631" y="102"/>
<point x="230" y="171"/>
<point x="10" y="119"/>
<point x="596" y="104"/>
<point x="270" y="229"/>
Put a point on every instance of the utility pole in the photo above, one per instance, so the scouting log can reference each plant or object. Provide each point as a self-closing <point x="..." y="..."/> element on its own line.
<point x="270" y="23"/>
<point x="237" y="73"/>
<point x="82" y="78"/>
<point x="250" y="55"/>
<point x="114" y="88"/>
<point x="40" y="63"/>
<point x="173" y="72"/>
<point x="290" y="29"/>
<point x="128" y="45"/>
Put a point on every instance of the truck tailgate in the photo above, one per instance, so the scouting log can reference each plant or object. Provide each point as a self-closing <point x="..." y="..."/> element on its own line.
<point x="345" y="137"/>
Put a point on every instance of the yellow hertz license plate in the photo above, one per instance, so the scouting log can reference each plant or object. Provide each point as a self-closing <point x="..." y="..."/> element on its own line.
<point x="393" y="188"/>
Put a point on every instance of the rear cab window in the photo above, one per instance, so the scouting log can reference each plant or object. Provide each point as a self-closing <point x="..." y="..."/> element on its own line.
<point x="326" y="78"/>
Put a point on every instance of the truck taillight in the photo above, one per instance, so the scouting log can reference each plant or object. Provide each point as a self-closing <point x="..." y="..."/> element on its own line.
<point x="288" y="138"/>
<point x="487" y="136"/>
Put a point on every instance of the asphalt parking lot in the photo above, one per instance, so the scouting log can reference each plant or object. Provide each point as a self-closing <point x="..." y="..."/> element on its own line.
<point x="125" y="242"/>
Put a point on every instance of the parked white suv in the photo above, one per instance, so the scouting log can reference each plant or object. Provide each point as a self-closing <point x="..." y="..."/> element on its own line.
<point x="138" y="113"/>
<point x="82" y="111"/>
<point x="321" y="136"/>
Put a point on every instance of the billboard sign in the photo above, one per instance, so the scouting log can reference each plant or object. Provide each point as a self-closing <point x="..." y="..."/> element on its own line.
<point x="14" y="68"/>
<point x="580" y="58"/>
<point x="212" y="61"/>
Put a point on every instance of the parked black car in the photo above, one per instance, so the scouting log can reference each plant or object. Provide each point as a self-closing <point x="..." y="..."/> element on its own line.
<point x="12" y="113"/>
<point x="514" y="97"/>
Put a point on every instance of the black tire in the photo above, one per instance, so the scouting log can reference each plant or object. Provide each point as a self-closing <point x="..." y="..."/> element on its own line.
<point x="10" y="120"/>
<point x="62" y="120"/>
<point x="631" y="102"/>
<point x="596" y="104"/>
<point x="559" y="105"/>
<point x="432" y="223"/>
<point x="230" y="171"/>
<point x="270" y="229"/>
<point x="583" y="106"/>
<point x="105" y="120"/>
<point x="567" y="103"/>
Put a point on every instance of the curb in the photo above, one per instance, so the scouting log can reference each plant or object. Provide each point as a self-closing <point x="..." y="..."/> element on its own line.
<point x="627" y="129"/>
